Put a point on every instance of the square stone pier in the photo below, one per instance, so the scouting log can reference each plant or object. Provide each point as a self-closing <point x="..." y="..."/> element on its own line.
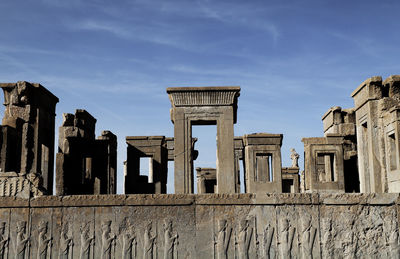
<point x="204" y="106"/>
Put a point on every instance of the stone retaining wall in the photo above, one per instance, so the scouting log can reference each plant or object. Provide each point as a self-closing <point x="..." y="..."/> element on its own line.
<point x="201" y="226"/>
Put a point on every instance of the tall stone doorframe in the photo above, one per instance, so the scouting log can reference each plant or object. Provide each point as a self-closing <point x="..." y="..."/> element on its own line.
<point x="204" y="106"/>
<point x="323" y="164"/>
<point x="154" y="147"/>
<point x="263" y="163"/>
<point x="27" y="140"/>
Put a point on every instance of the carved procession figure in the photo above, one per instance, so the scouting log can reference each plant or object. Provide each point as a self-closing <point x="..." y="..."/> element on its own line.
<point x="149" y="241"/>
<point x="286" y="238"/>
<point x="307" y="237"/>
<point x="44" y="242"/>
<point x="268" y="237"/>
<point x="170" y="241"/>
<point x="348" y="240"/>
<point x="327" y="238"/>
<point x="222" y="239"/>
<point x="128" y="240"/>
<point x="3" y="240"/>
<point x="66" y="243"/>
<point x="107" y="240"/>
<point x="86" y="241"/>
<point x="22" y="240"/>
<point x="243" y="239"/>
<point x="390" y="226"/>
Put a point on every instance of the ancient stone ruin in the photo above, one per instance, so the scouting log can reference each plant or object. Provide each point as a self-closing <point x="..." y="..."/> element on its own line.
<point x="343" y="205"/>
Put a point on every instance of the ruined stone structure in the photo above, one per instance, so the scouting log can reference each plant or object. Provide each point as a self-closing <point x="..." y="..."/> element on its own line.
<point x="154" y="147"/>
<point x="359" y="152"/>
<point x="27" y="140"/>
<point x="206" y="180"/>
<point x="203" y="106"/>
<point x="263" y="163"/>
<point x="85" y="165"/>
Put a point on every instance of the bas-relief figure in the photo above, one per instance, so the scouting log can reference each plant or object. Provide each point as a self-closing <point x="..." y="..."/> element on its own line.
<point x="170" y="241"/>
<point x="286" y="238"/>
<point x="221" y="240"/>
<point x="22" y="241"/>
<point x="328" y="234"/>
<point x="86" y="241"/>
<point x="149" y="241"/>
<point x="66" y="243"/>
<point x="294" y="156"/>
<point x="3" y="240"/>
<point x="243" y="238"/>
<point x="129" y="240"/>
<point x="269" y="232"/>
<point x="348" y="239"/>
<point x="391" y="231"/>
<point x="107" y="241"/>
<point x="307" y="236"/>
<point x="44" y="242"/>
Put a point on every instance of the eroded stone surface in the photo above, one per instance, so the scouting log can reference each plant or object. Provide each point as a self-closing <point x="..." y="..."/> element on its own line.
<point x="202" y="226"/>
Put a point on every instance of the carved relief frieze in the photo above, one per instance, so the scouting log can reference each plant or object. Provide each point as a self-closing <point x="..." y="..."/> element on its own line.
<point x="222" y="239"/>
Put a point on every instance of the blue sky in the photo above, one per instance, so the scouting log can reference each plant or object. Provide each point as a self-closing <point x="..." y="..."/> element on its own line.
<point x="292" y="59"/>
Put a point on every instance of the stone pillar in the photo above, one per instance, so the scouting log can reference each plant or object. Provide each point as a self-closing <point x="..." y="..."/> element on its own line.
<point x="226" y="182"/>
<point x="366" y="98"/>
<point x="239" y="155"/>
<point x="391" y="133"/>
<point x="204" y="106"/>
<point x="109" y="175"/>
<point x="28" y="138"/>
<point x="263" y="151"/>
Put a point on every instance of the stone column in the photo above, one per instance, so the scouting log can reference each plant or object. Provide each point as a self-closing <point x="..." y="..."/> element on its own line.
<point x="225" y="154"/>
<point x="183" y="173"/>
<point x="366" y="98"/>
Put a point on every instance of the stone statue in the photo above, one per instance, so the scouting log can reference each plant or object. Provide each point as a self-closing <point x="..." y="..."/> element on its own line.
<point x="222" y="239"/>
<point x="44" y="243"/>
<point x="3" y="239"/>
<point x="149" y="241"/>
<point x="268" y="237"/>
<point x="307" y="237"/>
<point x="22" y="240"/>
<point x="295" y="157"/>
<point x="321" y="175"/>
<point x="107" y="240"/>
<point x="286" y="238"/>
<point x="128" y="240"/>
<point x="170" y="241"/>
<point x="243" y="239"/>
<point x="66" y="243"/>
<point x="86" y="241"/>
